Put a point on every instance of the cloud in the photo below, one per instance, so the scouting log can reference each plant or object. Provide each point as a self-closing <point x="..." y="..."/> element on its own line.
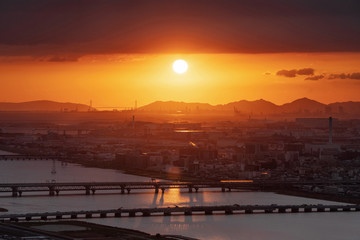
<point x="42" y="27"/>
<point x="294" y="72"/>
<point x="315" y="78"/>
<point x="305" y="71"/>
<point x="287" y="73"/>
<point x="61" y="59"/>
<point x="355" y="76"/>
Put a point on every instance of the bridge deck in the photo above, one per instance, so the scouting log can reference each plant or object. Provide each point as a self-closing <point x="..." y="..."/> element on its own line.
<point x="166" y="211"/>
<point x="17" y="189"/>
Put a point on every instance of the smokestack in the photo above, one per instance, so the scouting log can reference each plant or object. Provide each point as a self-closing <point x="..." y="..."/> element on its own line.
<point x="330" y="130"/>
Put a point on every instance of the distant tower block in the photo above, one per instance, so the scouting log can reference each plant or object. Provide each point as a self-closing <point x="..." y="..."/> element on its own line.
<point x="90" y="106"/>
<point x="133" y="121"/>
<point x="330" y="130"/>
<point x="53" y="170"/>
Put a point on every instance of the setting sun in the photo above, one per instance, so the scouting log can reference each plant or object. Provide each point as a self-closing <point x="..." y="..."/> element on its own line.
<point x="180" y="66"/>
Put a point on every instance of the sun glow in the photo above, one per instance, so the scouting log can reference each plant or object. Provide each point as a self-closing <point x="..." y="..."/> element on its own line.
<point x="180" y="66"/>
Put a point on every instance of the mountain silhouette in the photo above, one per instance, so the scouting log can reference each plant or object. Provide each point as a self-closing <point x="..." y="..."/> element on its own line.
<point x="300" y="107"/>
<point x="42" y="105"/>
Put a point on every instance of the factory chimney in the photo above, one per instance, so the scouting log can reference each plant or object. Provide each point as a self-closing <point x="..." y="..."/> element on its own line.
<point x="330" y="130"/>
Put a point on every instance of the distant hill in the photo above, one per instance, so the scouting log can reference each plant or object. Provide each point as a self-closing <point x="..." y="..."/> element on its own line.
<point x="42" y="105"/>
<point x="303" y="107"/>
<point x="258" y="106"/>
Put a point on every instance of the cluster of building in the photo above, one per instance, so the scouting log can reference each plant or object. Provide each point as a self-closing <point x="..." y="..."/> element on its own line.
<point x="305" y="149"/>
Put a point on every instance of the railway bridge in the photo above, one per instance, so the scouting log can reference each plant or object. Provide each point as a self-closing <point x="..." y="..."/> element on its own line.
<point x="55" y="188"/>
<point x="168" y="211"/>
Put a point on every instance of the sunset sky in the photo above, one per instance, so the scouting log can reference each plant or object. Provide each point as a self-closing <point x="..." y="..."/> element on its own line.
<point x="116" y="52"/>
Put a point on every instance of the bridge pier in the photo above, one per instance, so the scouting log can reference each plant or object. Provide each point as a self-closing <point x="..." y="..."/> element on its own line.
<point x="57" y="192"/>
<point x="132" y="214"/>
<point x="320" y="209"/>
<point x="190" y="189"/>
<point x="20" y="193"/>
<point x="14" y="191"/>
<point x="162" y="190"/>
<point x="87" y="190"/>
<point x="188" y="212"/>
<point x="58" y="216"/>
<point x="333" y="209"/>
<point x="73" y="216"/>
<point x="93" y="191"/>
<point x="229" y="189"/>
<point x="282" y="210"/>
<point x="15" y="219"/>
<point x="122" y="190"/>
<point x="128" y="190"/>
<point x="117" y="214"/>
<point x="228" y="211"/>
<point x="196" y="189"/>
<point x="223" y="189"/>
<point x="307" y="209"/>
<point x="88" y="215"/>
<point x="294" y="210"/>
<point x="146" y="213"/>
<point x="51" y="191"/>
<point x="103" y="215"/>
<point x="28" y="218"/>
<point x="44" y="218"/>
<point x="167" y="213"/>
<point x="156" y="189"/>
<point x="248" y="211"/>
<point x="346" y="209"/>
<point x="208" y="212"/>
<point x="268" y="211"/>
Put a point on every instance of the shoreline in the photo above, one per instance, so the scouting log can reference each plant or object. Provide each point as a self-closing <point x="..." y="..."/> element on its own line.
<point x="137" y="172"/>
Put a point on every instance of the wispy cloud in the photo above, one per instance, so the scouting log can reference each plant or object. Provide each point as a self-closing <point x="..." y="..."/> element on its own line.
<point x="355" y="76"/>
<point x="315" y="78"/>
<point x="294" y="72"/>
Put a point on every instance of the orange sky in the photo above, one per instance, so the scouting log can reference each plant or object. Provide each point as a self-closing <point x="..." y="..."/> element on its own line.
<point x="119" y="80"/>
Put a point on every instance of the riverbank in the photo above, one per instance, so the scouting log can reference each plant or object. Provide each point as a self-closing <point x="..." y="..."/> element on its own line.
<point x="138" y="172"/>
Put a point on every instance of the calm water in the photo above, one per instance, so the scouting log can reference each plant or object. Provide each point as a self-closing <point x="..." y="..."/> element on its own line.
<point x="256" y="226"/>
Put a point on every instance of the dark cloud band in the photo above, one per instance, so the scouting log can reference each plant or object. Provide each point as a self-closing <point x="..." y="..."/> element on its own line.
<point x="42" y="27"/>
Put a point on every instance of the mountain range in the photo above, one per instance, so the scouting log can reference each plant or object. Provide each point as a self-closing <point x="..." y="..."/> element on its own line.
<point x="303" y="106"/>
<point x="43" y="105"/>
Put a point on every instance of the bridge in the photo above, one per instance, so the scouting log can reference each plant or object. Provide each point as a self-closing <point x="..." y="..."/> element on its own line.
<point x="11" y="157"/>
<point x="168" y="211"/>
<point x="54" y="188"/>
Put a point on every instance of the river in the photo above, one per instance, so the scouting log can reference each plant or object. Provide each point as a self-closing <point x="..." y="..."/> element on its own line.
<point x="340" y="225"/>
